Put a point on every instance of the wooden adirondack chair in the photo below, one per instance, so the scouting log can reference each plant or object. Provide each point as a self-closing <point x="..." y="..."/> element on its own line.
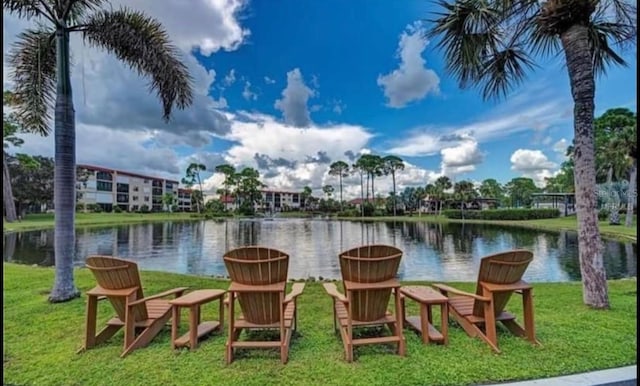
<point x="499" y="277"/>
<point x="369" y="278"/>
<point x="258" y="283"/>
<point x="119" y="281"/>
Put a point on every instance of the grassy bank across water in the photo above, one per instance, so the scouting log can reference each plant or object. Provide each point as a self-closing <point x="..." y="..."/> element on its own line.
<point x="44" y="221"/>
<point x="41" y="339"/>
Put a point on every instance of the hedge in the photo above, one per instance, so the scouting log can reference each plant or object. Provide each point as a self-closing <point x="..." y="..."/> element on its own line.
<point x="501" y="214"/>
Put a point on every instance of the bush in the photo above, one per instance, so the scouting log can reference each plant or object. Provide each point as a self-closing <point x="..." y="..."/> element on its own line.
<point x="349" y="213"/>
<point x="144" y="209"/>
<point x="502" y="214"/>
<point x="369" y="209"/>
<point x="117" y="209"/>
<point x="603" y="214"/>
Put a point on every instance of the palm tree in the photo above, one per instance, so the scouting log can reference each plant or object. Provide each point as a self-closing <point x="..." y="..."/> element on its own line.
<point x="9" y="130"/>
<point x="391" y="164"/>
<point x="193" y="175"/>
<point x="358" y="167"/>
<point x="485" y="44"/>
<point x="340" y="169"/>
<point x="229" y="178"/>
<point x="442" y="183"/>
<point x="41" y="67"/>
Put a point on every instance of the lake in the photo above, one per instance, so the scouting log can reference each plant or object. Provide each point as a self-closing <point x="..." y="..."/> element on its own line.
<point x="433" y="252"/>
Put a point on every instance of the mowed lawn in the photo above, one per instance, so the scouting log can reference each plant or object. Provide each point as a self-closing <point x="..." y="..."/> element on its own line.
<point x="41" y="340"/>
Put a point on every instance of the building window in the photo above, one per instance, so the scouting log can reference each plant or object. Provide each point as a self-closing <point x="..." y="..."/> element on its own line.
<point x="122" y="188"/>
<point x="135" y="188"/>
<point x="104" y="186"/>
<point x="104" y="176"/>
<point x="146" y="199"/>
<point x="168" y="185"/>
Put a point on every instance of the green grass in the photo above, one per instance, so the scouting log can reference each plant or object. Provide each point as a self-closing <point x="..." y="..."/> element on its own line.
<point x="41" y="339"/>
<point x="44" y="221"/>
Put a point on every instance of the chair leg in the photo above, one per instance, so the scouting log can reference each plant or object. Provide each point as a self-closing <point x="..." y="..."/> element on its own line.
<point x="529" y="325"/>
<point x="229" y="346"/>
<point x="490" y="322"/>
<point x="147" y="335"/>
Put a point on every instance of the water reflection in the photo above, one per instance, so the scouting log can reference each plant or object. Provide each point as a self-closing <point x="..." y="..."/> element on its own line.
<point x="448" y="252"/>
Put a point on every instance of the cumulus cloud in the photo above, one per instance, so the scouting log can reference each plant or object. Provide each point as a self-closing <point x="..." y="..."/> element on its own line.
<point x="411" y="81"/>
<point x="230" y="78"/>
<point x="560" y="147"/>
<point x="247" y="93"/>
<point x="289" y="157"/>
<point x="107" y="94"/>
<point x="294" y="100"/>
<point x="533" y="164"/>
<point x="461" y="158"/>
<point x="268" y="80"/>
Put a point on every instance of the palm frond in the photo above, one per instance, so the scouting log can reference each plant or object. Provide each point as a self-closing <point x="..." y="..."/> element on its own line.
<point x="503" y="70"/>
<point x="601" y="36"/>
<point x="24" y="8"/>
<point x="76" y="10"/>
<point x="142" y="43"/>
<point x="33" y="68"/>
<point x="467" y="32"/>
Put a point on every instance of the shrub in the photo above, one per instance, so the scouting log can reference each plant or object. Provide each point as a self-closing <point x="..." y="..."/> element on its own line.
<point x="117" y="209"/>
<point x="144" y="209"/>
<point x="603" y="214"/>
<point x="502" y="214"/>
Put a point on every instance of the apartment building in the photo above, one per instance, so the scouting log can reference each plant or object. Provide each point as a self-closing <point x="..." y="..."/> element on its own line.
<point x="109" y="188"/>
<point x="277" y="201"/>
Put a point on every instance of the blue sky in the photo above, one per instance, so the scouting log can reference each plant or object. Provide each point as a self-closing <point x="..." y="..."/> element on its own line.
<point x="322" y="78"/>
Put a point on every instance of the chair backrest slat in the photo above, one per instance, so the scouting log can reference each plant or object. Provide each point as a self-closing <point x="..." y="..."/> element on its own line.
<point x="502" y="268"/>
<point x="114" y="273"/>
<point x="255" y="265"/>
<point x="370" y="264"/>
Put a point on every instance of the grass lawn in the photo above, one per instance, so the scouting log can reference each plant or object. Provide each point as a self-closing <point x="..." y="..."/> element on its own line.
<point x="46" y="220"/>
<point x="41" y="339"/>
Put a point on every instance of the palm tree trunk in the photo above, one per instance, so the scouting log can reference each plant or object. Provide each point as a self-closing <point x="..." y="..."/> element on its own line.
<point x="631" y="193"/>
<point x="341" y="205"/>
<point x="7" y="192"/>
<point x="575" y="42"/>
<point x="64" y="194"/>
<point x="361" y="196"/>
<point x="393" y="178"/>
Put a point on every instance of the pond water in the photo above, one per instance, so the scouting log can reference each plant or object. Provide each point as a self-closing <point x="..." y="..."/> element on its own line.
<point x="438" y="252"/>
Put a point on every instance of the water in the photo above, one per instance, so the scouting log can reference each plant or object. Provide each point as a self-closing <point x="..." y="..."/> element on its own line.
<point x="433" y="252"/>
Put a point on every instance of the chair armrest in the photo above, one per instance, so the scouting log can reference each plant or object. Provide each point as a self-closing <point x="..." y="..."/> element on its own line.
<point x="332" y="290"/>
<point x="445" y="289"/>
<point x="516" y="287"/>
<point x="99" y="292"/>
<point x="177" y="291"/>
<point x="296" y="290"/>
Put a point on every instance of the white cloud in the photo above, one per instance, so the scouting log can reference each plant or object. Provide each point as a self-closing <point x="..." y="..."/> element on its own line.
<point x="294" y="100"/>
<point x="268" y="80"/>
<point x="230" y="78"/>
<point x="461" y="158"/>
<point x="411" y="81"/>
<point x="516" y="115"/>
<point x="533" y="164"/>
<point x="247" y="93"/>
<point x="560" y="147"/>
<point x="108" y="94"/>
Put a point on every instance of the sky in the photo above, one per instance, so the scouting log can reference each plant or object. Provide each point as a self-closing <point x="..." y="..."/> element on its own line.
<point x="290" y="86"/>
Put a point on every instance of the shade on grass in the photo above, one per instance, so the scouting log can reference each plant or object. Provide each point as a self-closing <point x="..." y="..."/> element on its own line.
<point x="41" y="339"/>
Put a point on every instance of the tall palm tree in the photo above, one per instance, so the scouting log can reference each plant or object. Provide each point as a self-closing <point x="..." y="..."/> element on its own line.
<point x="391" y="164"/>
<point x="492" y="44"/>
<point x="193" y="174"/>
<point x="41" y="66"/>
<point x="340" y="169"/>
<point x="359" y="168"/>
<point x="229" y="178"/>
<point x="442" y="183"/>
